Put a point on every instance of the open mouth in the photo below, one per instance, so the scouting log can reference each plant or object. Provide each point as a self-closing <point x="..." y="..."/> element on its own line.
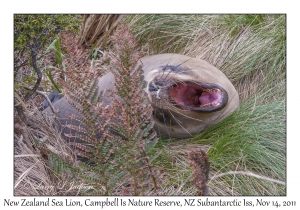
<point x="199" y="97"/>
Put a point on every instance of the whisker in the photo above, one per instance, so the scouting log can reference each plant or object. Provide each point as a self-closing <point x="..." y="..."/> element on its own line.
<point x="168" y="63"/>
<point x="164" y="69"/>
<point x="165" y="122"/>
<point x="179" y="123"/>
<point x="166" y="75"/>
<point x="183" y="63"/>
<point x="155" y="116"/>
<point x="175" y="110"/>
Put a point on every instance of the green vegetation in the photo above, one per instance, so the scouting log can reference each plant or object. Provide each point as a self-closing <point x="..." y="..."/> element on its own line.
<point x="44" y="28"/>
<point x="251" y="51"/>
<point x="34" y="33"/>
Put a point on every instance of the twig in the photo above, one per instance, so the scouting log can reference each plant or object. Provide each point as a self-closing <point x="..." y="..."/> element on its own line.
<point x="38" y="71"/>
<point x="20" y="106"/>
<point x="248" y="173"/>
<point x="21" y="102"/>
<point x="150" y="170"/>
<point x="46" y="97"/>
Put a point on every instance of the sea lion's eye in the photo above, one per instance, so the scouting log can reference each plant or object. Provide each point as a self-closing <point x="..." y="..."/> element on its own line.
<point x="172" y="68"/>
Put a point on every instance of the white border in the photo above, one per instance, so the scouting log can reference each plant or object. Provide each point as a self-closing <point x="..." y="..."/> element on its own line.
<point x="8" y="8"/>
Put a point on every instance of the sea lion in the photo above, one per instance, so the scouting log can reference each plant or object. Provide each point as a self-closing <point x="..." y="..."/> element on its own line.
<point x="187" y="94"/>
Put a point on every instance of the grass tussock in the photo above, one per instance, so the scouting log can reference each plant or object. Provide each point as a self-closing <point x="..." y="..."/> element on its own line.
<point x="250" y="50"/>
<point x="37" y="145"/>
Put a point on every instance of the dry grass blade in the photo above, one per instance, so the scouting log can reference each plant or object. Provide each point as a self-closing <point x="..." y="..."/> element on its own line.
<point x="96" y="28"/>
<point x="247" y="173"/>
<point x="29" y="171"/>
<point x="33" y="143"/>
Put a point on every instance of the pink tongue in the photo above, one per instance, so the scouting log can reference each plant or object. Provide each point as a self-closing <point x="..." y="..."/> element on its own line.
<point x="205" y="98"/>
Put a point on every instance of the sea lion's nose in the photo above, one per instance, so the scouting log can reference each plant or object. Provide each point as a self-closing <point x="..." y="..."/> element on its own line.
<point x="153" y="87"/>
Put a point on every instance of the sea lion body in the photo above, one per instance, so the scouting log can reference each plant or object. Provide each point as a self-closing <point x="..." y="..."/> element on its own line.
<point x="187" y="94"/>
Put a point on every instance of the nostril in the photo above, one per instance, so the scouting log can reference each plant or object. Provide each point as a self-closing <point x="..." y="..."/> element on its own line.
<point x="152" y="87"/>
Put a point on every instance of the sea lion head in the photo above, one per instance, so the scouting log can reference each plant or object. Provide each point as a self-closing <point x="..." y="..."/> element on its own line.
<point x="187" y="94"/>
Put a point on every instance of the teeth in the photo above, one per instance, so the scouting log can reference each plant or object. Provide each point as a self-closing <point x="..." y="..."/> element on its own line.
<point x="205" y="105"/>
<point x="213" y="90"/>
<point x="210" y="104"/>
